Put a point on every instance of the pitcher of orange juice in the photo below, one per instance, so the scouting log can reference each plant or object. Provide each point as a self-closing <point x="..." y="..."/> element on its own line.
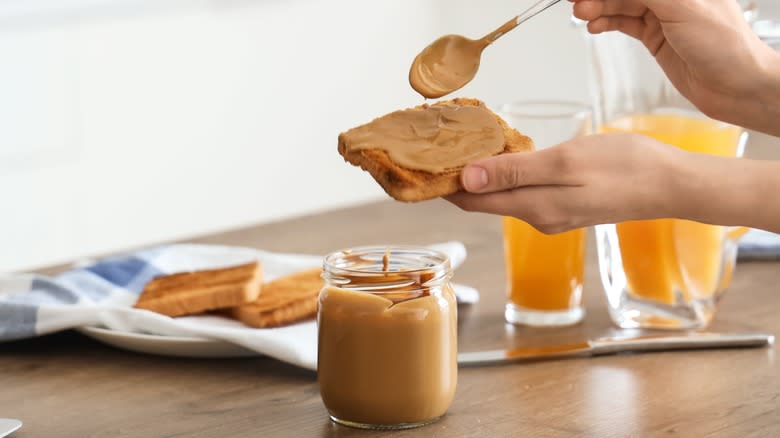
<point x="665" y="273"/>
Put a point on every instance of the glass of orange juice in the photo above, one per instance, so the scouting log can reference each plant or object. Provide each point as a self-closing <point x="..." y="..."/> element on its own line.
<point x="664" y="273"/>
<point x="545" y="272"/>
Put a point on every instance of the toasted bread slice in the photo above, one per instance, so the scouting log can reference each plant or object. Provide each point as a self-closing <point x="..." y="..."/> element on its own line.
<point x="409" y="185"/>
<point x="198" y="292"/>
<point x="287" y="299"/>
<point x="210" y="277"/>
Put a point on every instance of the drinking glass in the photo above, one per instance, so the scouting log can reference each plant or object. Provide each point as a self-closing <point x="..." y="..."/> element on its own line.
<point x="545" y="272"/>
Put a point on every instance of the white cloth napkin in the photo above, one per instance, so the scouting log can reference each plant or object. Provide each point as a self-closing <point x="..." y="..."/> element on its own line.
<point x="102" y="294"/>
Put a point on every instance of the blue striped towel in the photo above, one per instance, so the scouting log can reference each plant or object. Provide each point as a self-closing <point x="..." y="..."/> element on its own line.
<point x="103" y="293"/>
<point x="759" y="245"/>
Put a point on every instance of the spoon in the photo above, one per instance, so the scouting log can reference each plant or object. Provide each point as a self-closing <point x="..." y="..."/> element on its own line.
<point x="452" y="61"/>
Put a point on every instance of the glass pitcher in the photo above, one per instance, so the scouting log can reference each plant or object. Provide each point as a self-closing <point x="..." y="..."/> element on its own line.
<point x="665" y="273"/>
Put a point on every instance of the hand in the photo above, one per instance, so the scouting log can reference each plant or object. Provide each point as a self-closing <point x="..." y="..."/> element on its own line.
<point x="707" y="50"/>
<point x="586" y="181"/>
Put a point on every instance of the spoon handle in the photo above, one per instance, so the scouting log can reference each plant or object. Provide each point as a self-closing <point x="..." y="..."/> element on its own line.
<point x="535" y="9"/>
<point x="532" y="11"/>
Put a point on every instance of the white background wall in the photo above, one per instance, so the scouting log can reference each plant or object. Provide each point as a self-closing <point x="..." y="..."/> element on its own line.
<point x="129" y="122"/>
<point x="124" y="123"/>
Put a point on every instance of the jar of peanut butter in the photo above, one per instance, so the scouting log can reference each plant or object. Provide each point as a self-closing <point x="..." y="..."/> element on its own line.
<point x="387" y="321"/>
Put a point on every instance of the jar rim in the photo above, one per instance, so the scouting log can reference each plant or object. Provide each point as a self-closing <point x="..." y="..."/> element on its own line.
<point x="437" y="259"/>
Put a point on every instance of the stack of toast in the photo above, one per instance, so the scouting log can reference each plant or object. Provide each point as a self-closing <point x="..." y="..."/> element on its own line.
<point x="238" y="292"/>
<point x="284" y="300"/>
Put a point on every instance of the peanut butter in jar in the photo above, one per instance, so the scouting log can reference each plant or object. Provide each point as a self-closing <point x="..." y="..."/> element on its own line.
<point x="387" y="321"/>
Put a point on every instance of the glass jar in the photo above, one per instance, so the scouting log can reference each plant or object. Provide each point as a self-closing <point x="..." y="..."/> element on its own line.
<point x="387" y="321"/>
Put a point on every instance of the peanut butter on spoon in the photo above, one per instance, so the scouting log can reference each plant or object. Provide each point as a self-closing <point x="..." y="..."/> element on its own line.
<point x="452" y="61"/>
<point x="446" y="65"/>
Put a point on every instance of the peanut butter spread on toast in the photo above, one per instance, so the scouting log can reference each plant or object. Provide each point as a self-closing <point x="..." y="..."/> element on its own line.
<point x="432" y="138"/>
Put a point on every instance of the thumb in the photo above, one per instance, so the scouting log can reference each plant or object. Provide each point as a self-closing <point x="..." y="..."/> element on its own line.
<point x="509" y="171"/>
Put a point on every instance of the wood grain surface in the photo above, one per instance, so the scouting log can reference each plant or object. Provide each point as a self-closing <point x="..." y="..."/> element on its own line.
<point x="66" y="385"/>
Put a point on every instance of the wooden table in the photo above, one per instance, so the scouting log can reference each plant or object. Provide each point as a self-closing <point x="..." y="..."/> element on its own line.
<point x="69" y="386"/>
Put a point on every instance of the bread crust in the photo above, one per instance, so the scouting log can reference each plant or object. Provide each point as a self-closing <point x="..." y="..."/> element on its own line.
<point x="198" y="292"/>
<point x="207" y="277"/>
<point x="410" y="185"/>
<point x="285" y="300"/>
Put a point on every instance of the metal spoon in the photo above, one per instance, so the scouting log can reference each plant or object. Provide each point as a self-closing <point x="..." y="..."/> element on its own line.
<point x="452" y="61"/>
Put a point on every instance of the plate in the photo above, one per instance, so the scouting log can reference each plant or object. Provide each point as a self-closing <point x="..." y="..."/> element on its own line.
<point x="176" y="346"/>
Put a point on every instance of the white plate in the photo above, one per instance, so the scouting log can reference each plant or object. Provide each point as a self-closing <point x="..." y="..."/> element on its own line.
<point x="176" y="346"/>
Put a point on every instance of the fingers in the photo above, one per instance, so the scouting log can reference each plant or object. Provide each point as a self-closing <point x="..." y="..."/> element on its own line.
<point x="592" y="9"/>
<point x="546" y="208"/>
<point x="630" y="17"/>
<point x="646" y="29"/>
<point x="553" y="166"/>
<point x="631" y="26"/>
<point x="589" y="10"/>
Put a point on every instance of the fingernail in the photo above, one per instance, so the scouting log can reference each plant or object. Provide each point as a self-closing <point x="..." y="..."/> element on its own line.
<point x="474" y="178"/>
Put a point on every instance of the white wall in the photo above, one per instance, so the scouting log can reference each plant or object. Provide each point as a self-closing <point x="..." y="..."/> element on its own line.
<point x="124" y="123"/>
<point x="542" y="59"/>
<point x="129" y="122"/>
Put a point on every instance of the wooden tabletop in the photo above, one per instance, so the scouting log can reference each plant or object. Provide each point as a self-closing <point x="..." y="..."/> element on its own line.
<point x="66" y="385"/>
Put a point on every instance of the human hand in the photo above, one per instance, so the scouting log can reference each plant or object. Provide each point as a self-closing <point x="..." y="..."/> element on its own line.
<point x="707" y="50"/>
<point x="587" y="181"/>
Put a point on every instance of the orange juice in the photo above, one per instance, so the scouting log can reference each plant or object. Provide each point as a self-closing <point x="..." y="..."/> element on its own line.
<point x="668" y="260"/>
<point x="543" y="272"/>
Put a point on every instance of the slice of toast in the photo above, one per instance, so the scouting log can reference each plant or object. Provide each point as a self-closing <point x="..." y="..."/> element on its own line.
<point x="201" y="291"/>
<point x="409" y="185"/>
<point x="286" y="300"/>
<point x="208" y="277"/>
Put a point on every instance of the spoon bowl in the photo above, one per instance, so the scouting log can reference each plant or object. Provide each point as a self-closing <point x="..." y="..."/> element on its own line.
<point x="452" y="61"/>
<point x="446" y="65"/>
